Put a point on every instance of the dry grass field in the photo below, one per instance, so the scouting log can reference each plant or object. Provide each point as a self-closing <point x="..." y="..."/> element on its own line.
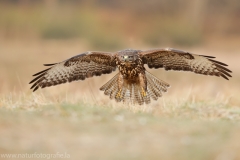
<point x="197" y="119"/>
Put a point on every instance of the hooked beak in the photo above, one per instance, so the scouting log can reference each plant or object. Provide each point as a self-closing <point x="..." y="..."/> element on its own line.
<point x="126" y="59"/>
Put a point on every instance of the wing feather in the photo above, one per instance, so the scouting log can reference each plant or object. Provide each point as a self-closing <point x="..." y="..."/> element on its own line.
<point x="207" y="56"/>
<point x="41" y="72"/>
<point x="172" y="59"/>
<point x="50" y="64"/>
<point x="79" y="67"/>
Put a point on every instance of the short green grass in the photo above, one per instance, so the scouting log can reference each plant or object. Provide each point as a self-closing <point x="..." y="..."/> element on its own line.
<point x="184" y="130"/>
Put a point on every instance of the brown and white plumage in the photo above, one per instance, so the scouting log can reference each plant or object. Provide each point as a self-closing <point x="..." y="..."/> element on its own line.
<point x="133" y="83"/>
<point x="79" y="67"/>
<point x="132" y="92"/>
<point x="171" y="59"/>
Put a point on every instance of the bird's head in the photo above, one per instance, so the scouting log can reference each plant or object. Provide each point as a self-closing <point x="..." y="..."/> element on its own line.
<point x="128" y="55"/>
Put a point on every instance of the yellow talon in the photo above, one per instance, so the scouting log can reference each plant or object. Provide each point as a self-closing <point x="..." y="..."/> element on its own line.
<point x="118" y="95"/>
<point x="143" y="92"/>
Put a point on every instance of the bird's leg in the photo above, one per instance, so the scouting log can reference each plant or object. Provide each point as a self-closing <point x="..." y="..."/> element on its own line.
<point x="119" y="95"/>
<point x="143" y="84"/>
<point x="120" y="85"/>
<point x="143" y="93"/>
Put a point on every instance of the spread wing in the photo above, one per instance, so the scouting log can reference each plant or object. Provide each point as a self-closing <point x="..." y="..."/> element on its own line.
<point x="79" y="67"/>
<point x="172" y="59"/>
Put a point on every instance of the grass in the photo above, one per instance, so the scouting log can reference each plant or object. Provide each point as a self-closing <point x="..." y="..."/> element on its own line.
<point x="88" y="130"/>
<point x="199" y="117"/>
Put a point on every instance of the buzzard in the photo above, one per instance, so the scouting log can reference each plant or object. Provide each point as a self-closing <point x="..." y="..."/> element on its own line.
<point x="133" y="83"/>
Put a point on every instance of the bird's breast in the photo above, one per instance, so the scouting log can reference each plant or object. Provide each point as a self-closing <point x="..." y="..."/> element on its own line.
<point x="130" y="70"/>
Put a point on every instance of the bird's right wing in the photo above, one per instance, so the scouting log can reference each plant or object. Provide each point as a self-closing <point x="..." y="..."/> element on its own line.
<point x="79" y="67"/>
<point x="172" y="59"/>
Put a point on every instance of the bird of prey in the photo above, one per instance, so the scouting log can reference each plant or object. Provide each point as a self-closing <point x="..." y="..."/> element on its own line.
<point x="133" y="83"/>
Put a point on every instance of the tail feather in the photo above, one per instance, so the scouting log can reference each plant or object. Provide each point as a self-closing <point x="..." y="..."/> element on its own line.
<point x="125" y="94"/>
<point x="137" y="92"/>
<point x="132" y="92"/>
<point x="113" y="94"/>
<point x="110" y="86"/>
<point x="155" y="86"/>
<point x="152" y="92"/>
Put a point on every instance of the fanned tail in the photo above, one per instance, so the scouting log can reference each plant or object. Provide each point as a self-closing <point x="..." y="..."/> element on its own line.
<point x="111" y="87"/>
<point x="132" y="92"/>
<point x="155" y="86"/>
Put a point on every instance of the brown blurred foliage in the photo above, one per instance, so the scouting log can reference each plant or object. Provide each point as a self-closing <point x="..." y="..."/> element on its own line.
<point x="112" y="23"/>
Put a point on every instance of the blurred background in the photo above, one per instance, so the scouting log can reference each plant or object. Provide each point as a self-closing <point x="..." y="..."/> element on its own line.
<point x="35" y="32"/>
<point x="198" y="116"/>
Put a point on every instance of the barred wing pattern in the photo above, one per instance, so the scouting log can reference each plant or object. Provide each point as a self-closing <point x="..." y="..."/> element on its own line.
<point x="79" y="67"/>
<point x="172" y="59"/>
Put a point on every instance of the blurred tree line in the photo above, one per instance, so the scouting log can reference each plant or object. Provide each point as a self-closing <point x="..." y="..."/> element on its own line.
<point x="113" y="23"/>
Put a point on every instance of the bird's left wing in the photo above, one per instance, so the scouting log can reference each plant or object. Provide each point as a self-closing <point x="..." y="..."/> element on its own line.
<point x="172" y="59"/>
<point x="79" y="67"/>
